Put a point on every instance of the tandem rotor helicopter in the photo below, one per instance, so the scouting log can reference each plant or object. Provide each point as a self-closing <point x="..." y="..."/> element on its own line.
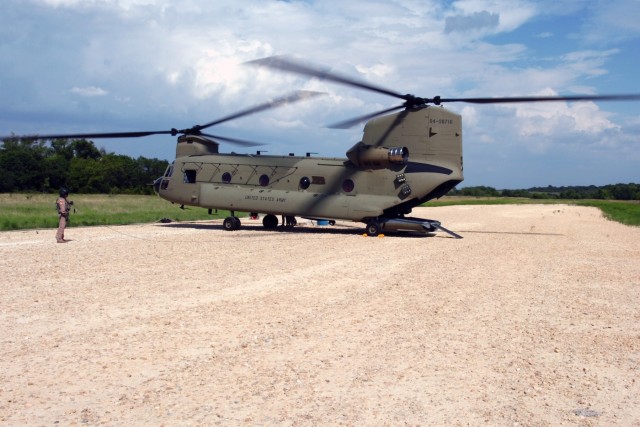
<point x="409" y="154"/>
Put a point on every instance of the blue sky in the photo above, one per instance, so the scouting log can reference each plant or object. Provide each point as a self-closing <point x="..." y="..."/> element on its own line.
<point x="73" y="66"/>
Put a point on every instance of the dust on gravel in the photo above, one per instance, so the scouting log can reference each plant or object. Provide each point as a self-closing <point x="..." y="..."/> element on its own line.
<point x="532" y="319"/>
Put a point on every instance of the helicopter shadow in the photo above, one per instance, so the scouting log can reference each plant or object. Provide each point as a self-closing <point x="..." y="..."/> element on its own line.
<point x="299" y="230"/>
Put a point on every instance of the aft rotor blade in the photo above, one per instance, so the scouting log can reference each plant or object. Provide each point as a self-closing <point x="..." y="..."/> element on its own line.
<point x="235" y="141"/>
<point x="290" y="65"/>
<point x="299" y="95"/>
<point x="352" y="122"/>
<point x="506" y="100"/>
<point x="287" y="64"/>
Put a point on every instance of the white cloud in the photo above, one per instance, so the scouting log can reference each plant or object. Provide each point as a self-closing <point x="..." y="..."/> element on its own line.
<point x="89" y="91"/>
<point x="483" y="13"/>
<point x="613" y="21"/>
<point x="561" y="118"/>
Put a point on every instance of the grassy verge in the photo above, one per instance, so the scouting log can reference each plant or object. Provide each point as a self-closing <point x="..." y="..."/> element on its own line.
<point x="620" y="211"/>
<point x="29" y="211"/>
<point x="625" y="212"/>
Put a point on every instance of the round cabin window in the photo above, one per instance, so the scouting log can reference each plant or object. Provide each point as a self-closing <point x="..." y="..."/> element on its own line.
<point x="226" y="177"/>
<point x="348" y="185"/>
<point x="264" y="180"/>
<point x="305" y="182"/>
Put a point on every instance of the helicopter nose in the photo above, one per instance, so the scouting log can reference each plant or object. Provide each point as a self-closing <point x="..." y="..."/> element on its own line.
<point x="156" y="185"/>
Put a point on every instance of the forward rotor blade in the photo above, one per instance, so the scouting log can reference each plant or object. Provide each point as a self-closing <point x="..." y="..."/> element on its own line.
<point x="235" y="141"/>
<point x="296" y="96"/>
<point x="352" y="122"/>
<point x="195" y="130"/>
<point x="287" y="64"/>
<point x="506" y="100"/>
<point x="94" y="135"/>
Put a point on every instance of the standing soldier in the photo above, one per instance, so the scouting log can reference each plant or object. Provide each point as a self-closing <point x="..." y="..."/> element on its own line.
<point x="63" y="206"/>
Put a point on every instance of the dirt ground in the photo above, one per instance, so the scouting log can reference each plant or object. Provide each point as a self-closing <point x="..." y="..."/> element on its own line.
<point x="532" y="319"/>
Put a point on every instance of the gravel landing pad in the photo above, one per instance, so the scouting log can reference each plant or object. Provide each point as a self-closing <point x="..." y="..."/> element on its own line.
<point x="532" y="319"/>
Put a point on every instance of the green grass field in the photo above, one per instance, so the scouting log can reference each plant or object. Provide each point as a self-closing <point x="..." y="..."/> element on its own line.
<point x="30" y="211"/>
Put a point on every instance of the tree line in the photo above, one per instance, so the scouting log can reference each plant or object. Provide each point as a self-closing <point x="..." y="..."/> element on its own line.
<point x="30" y="165"/>
<point x="606" y="192"/>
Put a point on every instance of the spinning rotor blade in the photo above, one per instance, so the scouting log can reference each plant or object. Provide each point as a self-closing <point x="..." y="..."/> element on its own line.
<point x="95" y="135"/>
<point x="504" y="100"/>
<point x="287" y="64"/>
<point x="629" y="97"/>
<point x="299" y="95"/>
<point x="235" y="141"/>
<point x="411" y="101"/>
<point x="352" y="122"/>
<point x="195" y="130"/>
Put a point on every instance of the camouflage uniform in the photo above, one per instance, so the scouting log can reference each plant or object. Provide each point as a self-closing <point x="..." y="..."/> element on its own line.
<point x="63" y="206"/>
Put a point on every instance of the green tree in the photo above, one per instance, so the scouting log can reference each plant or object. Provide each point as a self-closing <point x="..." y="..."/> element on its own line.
<point x="479" y="191"/>
<point x="86" y="176"/>
<point x="625" y="191"/>
<point x="21" y="162"/>
<point x="56" y="169"/>
<point x="62" y="148"/>
<point x="85" y="149"/>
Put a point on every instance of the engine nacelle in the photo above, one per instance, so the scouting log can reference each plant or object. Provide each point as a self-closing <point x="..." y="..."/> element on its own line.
<point x="372" y="157"/>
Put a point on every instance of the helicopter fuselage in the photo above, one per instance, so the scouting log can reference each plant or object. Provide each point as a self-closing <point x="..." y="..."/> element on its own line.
<point x="403" y="160"/>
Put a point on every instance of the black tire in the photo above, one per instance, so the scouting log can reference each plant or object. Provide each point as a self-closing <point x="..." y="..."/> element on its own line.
<point x="270" y="222"/>
<point x="373" y="229"/>
<point x="230" y="224"/>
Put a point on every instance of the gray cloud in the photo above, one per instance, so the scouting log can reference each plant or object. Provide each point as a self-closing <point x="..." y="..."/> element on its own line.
<point x="476" y="21"/>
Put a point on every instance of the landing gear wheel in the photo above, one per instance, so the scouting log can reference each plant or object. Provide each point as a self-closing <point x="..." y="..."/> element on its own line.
<point x="231" y="223"/>
<point x="270" y="222"/>
<point x="373" y="229"/>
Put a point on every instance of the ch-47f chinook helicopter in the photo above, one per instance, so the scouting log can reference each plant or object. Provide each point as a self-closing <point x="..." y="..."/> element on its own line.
<point x="409" y="154"/>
